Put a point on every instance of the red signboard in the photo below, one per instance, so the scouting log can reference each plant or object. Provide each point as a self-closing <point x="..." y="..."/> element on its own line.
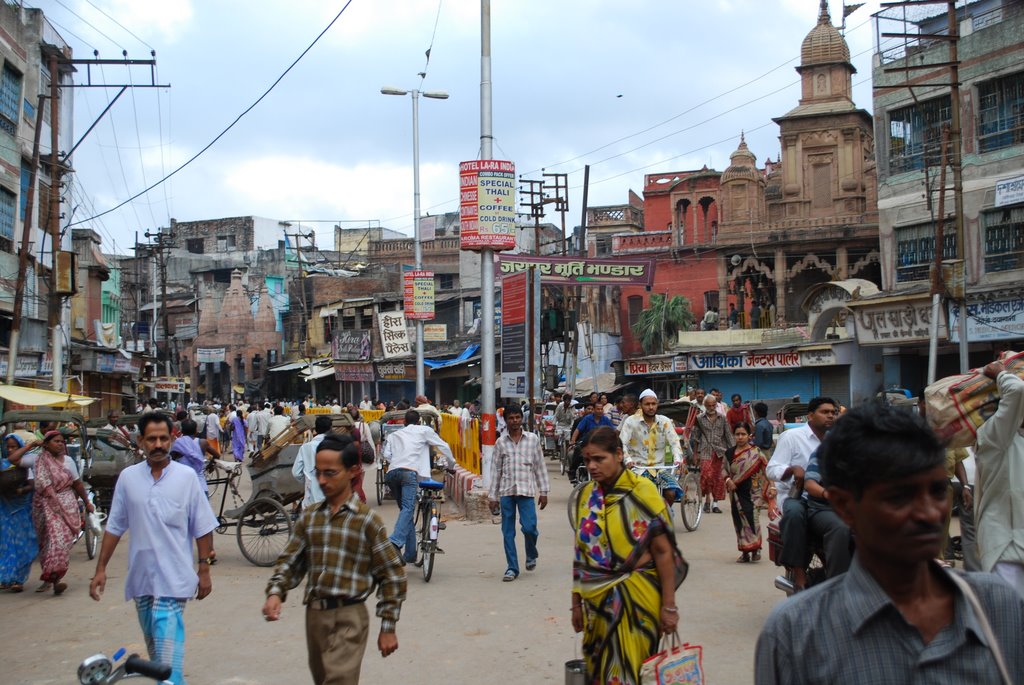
<point x="487" y="204"/>
<point x="419" y="294"/>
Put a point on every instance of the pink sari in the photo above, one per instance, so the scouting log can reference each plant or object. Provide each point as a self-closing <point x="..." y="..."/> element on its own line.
<point x="56" y="517"/>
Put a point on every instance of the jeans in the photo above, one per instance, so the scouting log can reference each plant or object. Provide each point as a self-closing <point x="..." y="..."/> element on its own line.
<point x="527" y="507"/>
<point x="403" y="484"/>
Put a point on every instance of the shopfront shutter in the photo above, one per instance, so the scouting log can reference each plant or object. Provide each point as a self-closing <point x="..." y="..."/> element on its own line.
<point x="835" y="383"/>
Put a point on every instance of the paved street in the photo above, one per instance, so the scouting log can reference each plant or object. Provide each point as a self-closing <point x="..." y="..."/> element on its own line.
<point x="462" y="627"/>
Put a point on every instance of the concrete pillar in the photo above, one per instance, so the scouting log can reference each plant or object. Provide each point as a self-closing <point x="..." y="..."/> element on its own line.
<point x="781" y="283"/>
<point x="211" y="391"/>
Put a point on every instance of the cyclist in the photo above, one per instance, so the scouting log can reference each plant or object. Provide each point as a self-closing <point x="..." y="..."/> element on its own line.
<point x="564" y="417"/>
<point x="649" y="439"/>
<point x="592" y="418"/>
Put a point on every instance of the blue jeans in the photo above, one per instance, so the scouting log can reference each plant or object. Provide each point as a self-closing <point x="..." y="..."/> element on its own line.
<point x="403" y="484"/>
<point x="527" y="507"/>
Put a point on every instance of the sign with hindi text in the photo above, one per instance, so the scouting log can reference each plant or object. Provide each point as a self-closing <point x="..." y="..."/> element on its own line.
<point x="581" y="271"/>
<point x="210" y="355"/>
<point x="435" y="332"/>
<point x="394" y="338"/>
<point x="895" y="321"/>
<point x="513" y="335"/>
<point x="487" y="205"/>
<point x="725" y="361"/>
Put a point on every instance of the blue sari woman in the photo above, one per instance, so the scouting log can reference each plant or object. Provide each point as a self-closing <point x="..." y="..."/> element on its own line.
<point x="18" y="547"/>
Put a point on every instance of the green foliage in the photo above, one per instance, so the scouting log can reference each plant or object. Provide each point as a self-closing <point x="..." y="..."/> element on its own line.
<point x="658" y="326"/>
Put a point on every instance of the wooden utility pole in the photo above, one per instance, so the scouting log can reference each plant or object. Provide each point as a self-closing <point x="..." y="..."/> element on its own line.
<point x="56" y="173"/>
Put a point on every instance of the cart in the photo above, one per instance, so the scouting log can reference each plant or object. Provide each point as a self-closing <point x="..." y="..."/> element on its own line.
<point x="263" y="523"/>
<point x="388" y="423"/>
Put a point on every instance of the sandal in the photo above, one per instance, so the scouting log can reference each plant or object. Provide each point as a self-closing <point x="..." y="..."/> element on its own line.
<point x="15" y="587"/>
<point x="716" y="510"/>
<point x="744" y="559"/>
<point x="756" y="556"/>
<point x="44" y="587"/>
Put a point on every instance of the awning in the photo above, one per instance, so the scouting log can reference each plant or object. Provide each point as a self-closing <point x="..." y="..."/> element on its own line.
<point x="291" y="366"/>
<point x="464" y="356"/>
<point x="34" y="397"/>
<point x="318" y="372"/>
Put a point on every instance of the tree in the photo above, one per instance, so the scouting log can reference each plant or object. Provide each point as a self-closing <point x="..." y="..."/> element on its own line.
<point x="660" y="324"/>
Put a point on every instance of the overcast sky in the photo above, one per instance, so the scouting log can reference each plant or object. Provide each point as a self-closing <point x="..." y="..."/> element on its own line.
<point x="623" y="86"/>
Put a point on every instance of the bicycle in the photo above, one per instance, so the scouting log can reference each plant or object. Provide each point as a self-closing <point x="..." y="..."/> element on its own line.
<point x="562" y="449"/>
<point x="228" y="474"/>
<point x="690" y="503"/>
<point x="92" y="533"/>
<point x="427" y="523"/>
<point x="99" y="670"/>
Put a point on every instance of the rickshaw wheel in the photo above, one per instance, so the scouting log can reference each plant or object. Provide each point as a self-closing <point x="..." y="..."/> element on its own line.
<point x="263" y="531"/>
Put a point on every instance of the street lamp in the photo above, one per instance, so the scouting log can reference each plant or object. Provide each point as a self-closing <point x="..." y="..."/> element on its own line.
<point x="421" y="385"/>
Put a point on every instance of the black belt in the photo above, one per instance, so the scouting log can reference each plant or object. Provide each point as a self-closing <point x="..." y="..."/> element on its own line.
<point x="329" y="603"/>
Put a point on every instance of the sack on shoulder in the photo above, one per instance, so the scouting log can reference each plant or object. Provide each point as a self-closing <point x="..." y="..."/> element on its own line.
<point x="674" y="664"/>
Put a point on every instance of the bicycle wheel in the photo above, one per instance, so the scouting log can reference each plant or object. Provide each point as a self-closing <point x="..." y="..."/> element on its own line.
<point x="417" y="525"/>
<point x="429" y="546"/>
<point x="263" y="531"/>
<point x="690" y="504"/>
<point x="380" y="486"/>
<point x="563" y="458"/>
<point x="92" y="541"/>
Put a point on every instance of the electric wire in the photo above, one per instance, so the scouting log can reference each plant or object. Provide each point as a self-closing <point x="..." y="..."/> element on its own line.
<point x="138" y="138"/>
<point x="231" y="125"/>
<point x="430" y="47"/>
<point x="120" y="162"/>
<point x="119" y="24"/>
<point x="87" y="23"/>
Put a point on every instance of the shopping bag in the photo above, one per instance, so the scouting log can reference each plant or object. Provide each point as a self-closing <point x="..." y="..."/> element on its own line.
<point x="958" y="405"/>
<point x="674" y="665"/>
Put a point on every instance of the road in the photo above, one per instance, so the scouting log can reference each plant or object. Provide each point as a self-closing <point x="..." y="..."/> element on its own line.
<point x="465" y="626"/>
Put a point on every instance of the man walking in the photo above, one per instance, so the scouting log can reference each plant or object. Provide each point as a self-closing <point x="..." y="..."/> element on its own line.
<point x="304" y="467"/>
<point x="896" y="616"/>
<point x="407" y="452"/>
<point x="344" y="546"/>
<point x="278" y="423"/>
<point x="650" y="440"/>
<point x="518" y="475"/>
<point x="161" y="502"/>
<point x="1000" y="481"/>
<point x="713" y="437"/>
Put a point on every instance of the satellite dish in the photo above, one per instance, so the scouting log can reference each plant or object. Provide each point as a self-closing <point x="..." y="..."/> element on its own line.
<point x="735" y="260"/>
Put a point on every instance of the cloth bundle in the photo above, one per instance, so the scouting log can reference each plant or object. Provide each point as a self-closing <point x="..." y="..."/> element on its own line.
<point x="958" y="405"/>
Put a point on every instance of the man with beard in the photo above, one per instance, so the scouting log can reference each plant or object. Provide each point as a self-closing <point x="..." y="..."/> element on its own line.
<point x="896" y="616"/>
<point x="161" y="502"/>
<point x="649" y="439"/>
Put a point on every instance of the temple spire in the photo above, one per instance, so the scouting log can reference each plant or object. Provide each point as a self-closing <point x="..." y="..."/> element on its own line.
<point x="823" y="16"/>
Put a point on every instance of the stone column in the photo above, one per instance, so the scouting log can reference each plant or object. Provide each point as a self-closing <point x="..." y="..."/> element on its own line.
<point x="781" y="282"/>
<point x="842" y="263"/>
<point x="211" y="391"/>
<point x="193" y="378"/>
<point x="723" y="291"/>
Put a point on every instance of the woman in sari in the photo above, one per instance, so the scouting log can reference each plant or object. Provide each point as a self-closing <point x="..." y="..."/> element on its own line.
<point x="749" y="491"/>
<point x="55" y="510"/>
<point x="18" y="546"/>
<point x="627" y="565"/>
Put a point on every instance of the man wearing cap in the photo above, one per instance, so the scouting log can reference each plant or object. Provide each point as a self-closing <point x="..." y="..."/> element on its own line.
<point x="592" y="418"/>
<point x="649" y="439"/>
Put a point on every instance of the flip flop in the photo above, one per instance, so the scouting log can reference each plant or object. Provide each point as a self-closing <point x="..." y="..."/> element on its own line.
<point x="744" y="559"/>
<point x="15" y="587"/>
<point x="756" y="556"/>
<point x="46" y="585"/>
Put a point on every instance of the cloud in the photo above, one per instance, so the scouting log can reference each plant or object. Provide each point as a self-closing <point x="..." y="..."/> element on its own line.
<point x="154" y="22"/>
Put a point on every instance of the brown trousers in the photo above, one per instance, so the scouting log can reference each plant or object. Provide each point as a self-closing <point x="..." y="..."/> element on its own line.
<point x="336" y="639"/>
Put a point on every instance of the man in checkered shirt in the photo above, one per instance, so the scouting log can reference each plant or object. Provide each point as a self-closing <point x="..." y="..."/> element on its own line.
<point x="344" y="547"/>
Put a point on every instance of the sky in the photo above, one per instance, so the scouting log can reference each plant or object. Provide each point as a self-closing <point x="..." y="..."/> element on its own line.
<point x="630" y="88"/>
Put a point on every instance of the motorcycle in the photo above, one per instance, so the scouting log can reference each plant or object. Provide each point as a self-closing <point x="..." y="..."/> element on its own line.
<point x="99" y="670"/>
<point x="815" y="569"/>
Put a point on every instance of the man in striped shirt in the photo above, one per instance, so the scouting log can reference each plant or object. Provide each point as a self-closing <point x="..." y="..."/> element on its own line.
<point x="518" y="474"/>
<point x="344" y="547"/>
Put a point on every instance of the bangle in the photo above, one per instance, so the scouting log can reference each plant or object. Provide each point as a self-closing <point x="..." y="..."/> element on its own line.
<point x="671" y="610"/>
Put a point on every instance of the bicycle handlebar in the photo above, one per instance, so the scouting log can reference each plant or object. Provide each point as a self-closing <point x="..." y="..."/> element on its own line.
<point x="147" y="668"/>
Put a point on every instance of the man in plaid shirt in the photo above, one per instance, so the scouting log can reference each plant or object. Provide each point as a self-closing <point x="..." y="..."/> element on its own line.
<point x="344" y="546"/>
<point x="518" y="473"/>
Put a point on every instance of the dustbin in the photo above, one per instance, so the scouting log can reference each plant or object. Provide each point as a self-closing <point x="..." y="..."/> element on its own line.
<point x="576" y="672"/>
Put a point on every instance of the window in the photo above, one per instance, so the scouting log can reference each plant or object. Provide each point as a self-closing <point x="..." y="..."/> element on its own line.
<point x="194" y="245"/>
<point x="10" y="99"/>
<point x="1004" y="239"/>
<point x="446" y="281"/>
<point x="1001" y="113"/>
<point x="915" y="134"/>
<point x="330" y="327"/>
<point x="225" y="243"/>
<point x="635" y="305"/>
<point x="603" y="246"/>
<point x="915" y="250"/>
<point x="821" y="190"/>
<point x="7" y="204"/>
<point x="26" y="177"/>
<point x="348" y="323"/>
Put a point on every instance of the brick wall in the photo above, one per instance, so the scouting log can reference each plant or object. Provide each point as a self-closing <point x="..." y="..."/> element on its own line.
<point x="241" y="227"/>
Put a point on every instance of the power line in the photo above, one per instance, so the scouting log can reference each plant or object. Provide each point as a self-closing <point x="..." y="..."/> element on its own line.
<point x="120" y="162"/>
<point x="86" y="22"/>
<point x="119" y="24"/>
<point x="231" y="125"/>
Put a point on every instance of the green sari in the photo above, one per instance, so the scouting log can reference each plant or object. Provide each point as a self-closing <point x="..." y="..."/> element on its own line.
<point x="615" y="575"/>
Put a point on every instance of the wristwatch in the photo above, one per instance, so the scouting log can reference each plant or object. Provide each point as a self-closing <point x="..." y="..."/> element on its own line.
<point x="206" y="560"/>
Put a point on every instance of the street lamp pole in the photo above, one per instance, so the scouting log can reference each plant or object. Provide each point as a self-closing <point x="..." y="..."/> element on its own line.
<point x="421" y="383"/>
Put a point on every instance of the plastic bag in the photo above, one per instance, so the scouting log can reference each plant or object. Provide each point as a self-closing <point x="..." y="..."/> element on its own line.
<point x="677" y="664"/>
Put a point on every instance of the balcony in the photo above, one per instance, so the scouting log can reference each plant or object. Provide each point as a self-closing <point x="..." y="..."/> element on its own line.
<point x="625" y="216"/>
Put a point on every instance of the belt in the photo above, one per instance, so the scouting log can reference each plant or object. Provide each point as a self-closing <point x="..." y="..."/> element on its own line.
<point x="329" y="603"/>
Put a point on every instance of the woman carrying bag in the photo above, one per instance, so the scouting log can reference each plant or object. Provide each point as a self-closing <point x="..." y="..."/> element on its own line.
<point x="627" y="565"/>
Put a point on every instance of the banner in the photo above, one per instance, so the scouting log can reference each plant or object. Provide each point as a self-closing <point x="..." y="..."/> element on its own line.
<point x="210" y="355"/>
<point x="419" y="294"/>
<point x="435" y="332"/>
<point x="487" y="205"/>
<point x="581" y="271"/>
<point x="394" y="339"/>
<point x="513" y="335"/>
<point x="351" y="345"/>
<point x="353" y="372"/>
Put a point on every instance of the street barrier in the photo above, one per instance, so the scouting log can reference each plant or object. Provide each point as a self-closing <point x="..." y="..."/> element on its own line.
<point x="464" y="441"/>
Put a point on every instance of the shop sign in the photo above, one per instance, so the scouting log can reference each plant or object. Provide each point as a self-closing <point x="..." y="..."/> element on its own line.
<point x="172" y="385"/>
<point x="26" y="366"/>
<point x="418" y="292"/>
<point x="817" y="357"/>
<point x="210" y="355"/>
<point x="576" y="271"/>
<point x="351" y="345"/>
<point x="46" y="365"/>
<point x="744" y="361"/>
<point x="105" y="363"/>
<point x="513" y="334"/>
<point x="895" y="322"/>
<point x="353" y="372"/>
<point x="394" y="338"/>
<point x="652" y="367"/>
<point x="393" y="371"/>
<point x="993" y="320"/>
<point x="1010" y="191"/>
<point x="487" y="204"/>
<point x="123" y="364"/>
<point x="435" y="332"/>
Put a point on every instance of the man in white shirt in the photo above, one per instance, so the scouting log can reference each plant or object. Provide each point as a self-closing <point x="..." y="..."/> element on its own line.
<point x="304" y="467"/>
<point x="1000" y="481"/>
<point x="792" y="452"/>
<point x="257" y="422"/>
<point x="366" y="403"/>
<point x="212" y="426"/>
<point x="278" y="423"/>
<point x="407" y="452"/>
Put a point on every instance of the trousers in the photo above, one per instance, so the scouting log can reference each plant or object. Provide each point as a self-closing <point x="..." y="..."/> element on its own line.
<point x="404" y="484"/>
<point x="527" y="507"/>
<point x="336" y="640"/>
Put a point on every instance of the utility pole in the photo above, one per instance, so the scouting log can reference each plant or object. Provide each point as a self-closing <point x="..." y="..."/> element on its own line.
<point x="573" y="338"/>
<point x="488" y="410"/>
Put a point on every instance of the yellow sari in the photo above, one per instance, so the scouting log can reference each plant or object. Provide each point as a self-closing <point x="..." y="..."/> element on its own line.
<point x="615" y="575"/>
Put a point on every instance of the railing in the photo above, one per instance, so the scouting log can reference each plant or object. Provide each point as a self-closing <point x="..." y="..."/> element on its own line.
<point x="465" y="442"/>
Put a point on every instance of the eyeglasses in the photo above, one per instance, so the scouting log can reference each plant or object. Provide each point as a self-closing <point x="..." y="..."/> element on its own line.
<point x="329" y="473"/>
